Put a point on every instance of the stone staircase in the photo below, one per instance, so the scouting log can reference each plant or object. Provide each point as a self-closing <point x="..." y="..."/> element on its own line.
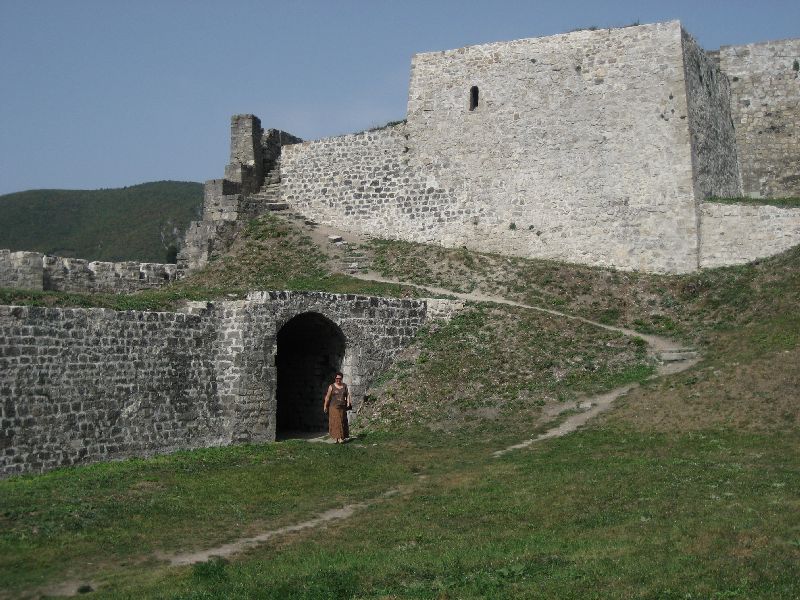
<point x="347" y="252"/>
<point x="678" y="355"/>
<point x="355" y="258"/>
<point x="268" y="197"/>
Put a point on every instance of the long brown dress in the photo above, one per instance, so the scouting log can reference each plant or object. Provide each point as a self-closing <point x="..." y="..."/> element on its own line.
<point x="337" y="413"/>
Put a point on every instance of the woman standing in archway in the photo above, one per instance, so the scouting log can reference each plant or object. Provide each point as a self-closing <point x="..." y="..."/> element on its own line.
<point x="336" y="404"/>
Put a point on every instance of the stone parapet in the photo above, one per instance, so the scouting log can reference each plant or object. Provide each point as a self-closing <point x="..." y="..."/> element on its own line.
<point x="21" y="270"/>
<point x="36" y="271"/>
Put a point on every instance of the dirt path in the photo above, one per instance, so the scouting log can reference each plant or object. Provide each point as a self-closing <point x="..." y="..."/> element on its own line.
<point x="242" y="544"/>
<point x="673" y="358"/>
<point x="669" y="351"/>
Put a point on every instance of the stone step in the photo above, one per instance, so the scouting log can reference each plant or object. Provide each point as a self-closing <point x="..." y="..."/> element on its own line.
<point x="265" y="195"/>
<point x="351" y="267"/>
<point x="677" y="355"/>
<point x="273" y="206"/>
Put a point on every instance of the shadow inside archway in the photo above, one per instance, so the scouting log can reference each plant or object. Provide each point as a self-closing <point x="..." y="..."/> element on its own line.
<point x="310" y="351"/>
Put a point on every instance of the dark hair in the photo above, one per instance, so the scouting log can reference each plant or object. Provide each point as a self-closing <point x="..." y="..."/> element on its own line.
<point x="339" y="374"/>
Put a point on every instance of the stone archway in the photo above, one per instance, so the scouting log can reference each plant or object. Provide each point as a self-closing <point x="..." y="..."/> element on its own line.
<point x="311" y="349"/>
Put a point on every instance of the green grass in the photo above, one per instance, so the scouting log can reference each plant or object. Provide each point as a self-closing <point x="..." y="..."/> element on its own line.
<point x="688" y="488"/>
<point x="604" y="513"/>
<point x="117" y="512"/>
<point x="497" y="366"/>
<point x="139" y="222"/>
<point x="691" y="306"/>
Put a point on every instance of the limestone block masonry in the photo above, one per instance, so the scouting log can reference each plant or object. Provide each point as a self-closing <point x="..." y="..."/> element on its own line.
<point x="739" y="233"/>
<point x="594" y="147"/>
<point x="36" y="271"/>
<point x="22" y="270"/>
<point x="84" y="385"/>
<point x="765" y="83"/>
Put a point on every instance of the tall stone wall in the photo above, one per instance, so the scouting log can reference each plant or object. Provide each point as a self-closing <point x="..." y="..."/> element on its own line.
<point x="734" y="234"/>
<point x="36" y="271"/>
<point x="82" y="385"/>
<point x="576" y="150"/>
<point x="714" y="160"/>
<point x="580" y="147"/>
<point x="360" y="182"/>
<point x="594" y="147"/>
<point x="765" y="90"/>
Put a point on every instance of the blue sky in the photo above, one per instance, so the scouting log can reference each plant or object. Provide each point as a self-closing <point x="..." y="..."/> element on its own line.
<point x="106" y="93"/>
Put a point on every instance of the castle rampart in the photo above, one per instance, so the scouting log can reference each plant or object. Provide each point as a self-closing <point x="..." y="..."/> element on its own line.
<point x="765" y="87"/>
<point x="36" y="271"/>
<point x="735" y="234"/>
<point x="83" y="385"/>
<point x="595" y="147"/>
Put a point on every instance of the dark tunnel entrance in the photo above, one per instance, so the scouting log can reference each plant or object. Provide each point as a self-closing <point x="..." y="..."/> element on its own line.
<point x="310" y="351"/>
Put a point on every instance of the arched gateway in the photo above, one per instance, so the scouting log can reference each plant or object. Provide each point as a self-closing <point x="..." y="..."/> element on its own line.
<point x="219" y="373"/>
<point x="311" y="349"/>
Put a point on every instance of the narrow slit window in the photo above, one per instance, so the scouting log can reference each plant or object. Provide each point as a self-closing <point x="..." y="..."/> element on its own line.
<point x="473" y="97"/>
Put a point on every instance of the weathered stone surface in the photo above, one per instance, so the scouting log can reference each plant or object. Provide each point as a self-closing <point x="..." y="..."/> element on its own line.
<point x="249" y="189"/>
<point x="588" y="147"/>
<point x="82" y="385"/>
<point x="714" y="155"/>
<point x="739" y="233"/>
<point x="21" y="270"/>
<point x="765" y="88"/>
<point x="35" y="271"/>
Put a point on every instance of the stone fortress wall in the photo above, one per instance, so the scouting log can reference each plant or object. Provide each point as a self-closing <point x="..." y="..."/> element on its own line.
<point x="248" y="189"/>
<point x="765" y="83"/>
<point x="37" y="271"/>
<point x="735" y="234"/>
<point x="82" y="385"/>
<point x="598" y="147"/>
<point x="601" y="147"/>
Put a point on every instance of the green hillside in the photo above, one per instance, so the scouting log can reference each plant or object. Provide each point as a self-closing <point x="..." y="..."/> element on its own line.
<point x="139" y="222"/>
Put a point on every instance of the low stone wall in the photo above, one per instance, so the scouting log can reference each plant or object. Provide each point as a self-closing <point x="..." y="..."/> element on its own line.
<point x="84" y="385"/>
<point x="733" y="234"/>
<point x="36" y="271"/>
<point x="22" y="270"/>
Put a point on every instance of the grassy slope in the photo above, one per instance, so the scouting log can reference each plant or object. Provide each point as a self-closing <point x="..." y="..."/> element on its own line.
<point x="268" y="255"/>
<point x="107" y="224"/>
<point x="689" y="488"/>
<point x="688" y="306"/>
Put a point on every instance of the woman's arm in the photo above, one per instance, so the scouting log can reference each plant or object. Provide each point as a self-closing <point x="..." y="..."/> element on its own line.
<point x="327" y="400"/>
